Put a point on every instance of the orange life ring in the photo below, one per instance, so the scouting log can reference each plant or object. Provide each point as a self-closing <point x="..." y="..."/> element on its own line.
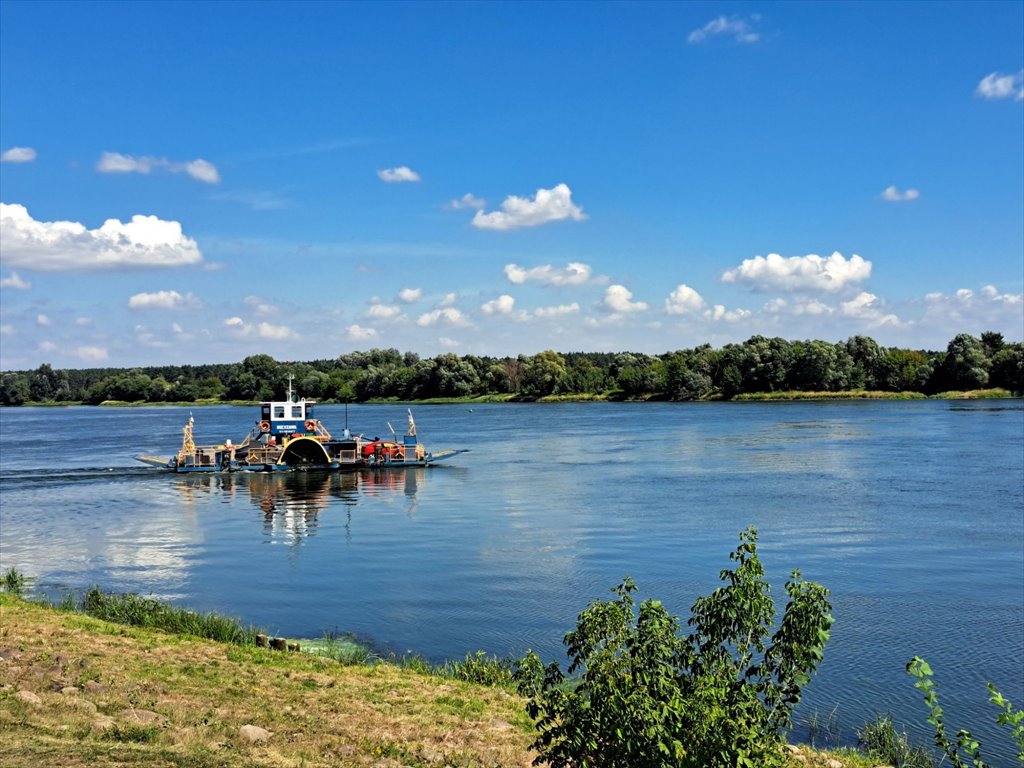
<point x="264" y="426"/>
<point x="310" y="425"/>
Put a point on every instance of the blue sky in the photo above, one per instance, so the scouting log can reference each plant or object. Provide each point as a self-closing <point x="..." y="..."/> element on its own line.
<point x="198" y="182"/>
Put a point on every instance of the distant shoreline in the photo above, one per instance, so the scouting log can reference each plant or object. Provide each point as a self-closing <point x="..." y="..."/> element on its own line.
<point x="751" y="397"/>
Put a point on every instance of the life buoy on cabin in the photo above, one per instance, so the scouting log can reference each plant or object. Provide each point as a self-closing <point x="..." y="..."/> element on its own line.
<point x="264" y="426"/>
<point x="310" y="425"/>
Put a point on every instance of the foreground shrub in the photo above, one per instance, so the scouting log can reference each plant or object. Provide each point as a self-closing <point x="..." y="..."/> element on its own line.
<point x="1008" y="716"/>
<point x="14" y="582"/>
<point x="649" y="698"/>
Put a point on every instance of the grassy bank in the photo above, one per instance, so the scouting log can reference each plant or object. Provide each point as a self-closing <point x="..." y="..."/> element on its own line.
<point x="611" y="396"/>
<point x="78" y="691"/>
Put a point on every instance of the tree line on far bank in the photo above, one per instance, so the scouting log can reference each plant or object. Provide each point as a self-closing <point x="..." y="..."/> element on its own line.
<point x="758" y="365"/>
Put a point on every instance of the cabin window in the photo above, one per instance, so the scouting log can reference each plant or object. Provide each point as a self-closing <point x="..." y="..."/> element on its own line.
<point x="265" y="413"/>
<point x="296" y="411"/>
<point x="278" y="411"/>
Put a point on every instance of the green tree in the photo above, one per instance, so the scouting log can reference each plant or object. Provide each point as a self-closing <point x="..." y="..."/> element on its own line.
<point x="867" y="358"/>
<point x="543" y="374"/>
<point x="648" y="697"/>
<point x="14" y="389"/>
<point x="965" y="366"/>
<point x="1008" y="368"/>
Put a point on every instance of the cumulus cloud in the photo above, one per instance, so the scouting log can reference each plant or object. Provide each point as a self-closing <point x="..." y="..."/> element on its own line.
<point x="18" y="155"/>
<point x="198" y="169"/>
<point x="359" y="333"/>
<point x="719" y="312"/>
<point x="503" y="305"/>
<point x="383" y="311"/>
<point x="987" y="308"/>
<point x="449" y="315"/>
<point x="738" y="29"/>
<point x="892" y="194"/>
<point x="261" y="330"/>
<point x="397" y="175"/>
<point x="684" y="301"/>
<point x="260" y="305"/>
<point x="560" y="310"/>
<point x="7" y="330"/>
<point x="867" y="306"/>
<point x="467" y="201"/>
<point x="619" y="300"/>
<point x="999" y="86"/>
<point x="800" y="273"/>
<point x="202" y="170"/>
<point x="547" y="205"/>
<point x="448" y="300"/>
<point x="15" y="281"/>
<point x="410" y="295"/>
<point x="92" y="354"/>
<point x="163" y="300"/>
<point x="575" y="273"/>
<point x="43" y="321"/>
<point x="53" y="246"/>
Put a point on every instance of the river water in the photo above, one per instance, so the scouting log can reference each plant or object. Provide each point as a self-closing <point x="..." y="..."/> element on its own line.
<point x="912" y="513"/>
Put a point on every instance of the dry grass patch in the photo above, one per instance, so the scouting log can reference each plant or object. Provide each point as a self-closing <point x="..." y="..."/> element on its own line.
<point x="111" y="695"/>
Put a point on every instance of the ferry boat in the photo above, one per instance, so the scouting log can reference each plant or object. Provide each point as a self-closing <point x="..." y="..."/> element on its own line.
<point x="289" y="437"/>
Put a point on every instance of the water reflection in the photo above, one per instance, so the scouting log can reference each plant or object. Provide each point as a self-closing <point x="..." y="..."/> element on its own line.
<point x="291" y="503"/>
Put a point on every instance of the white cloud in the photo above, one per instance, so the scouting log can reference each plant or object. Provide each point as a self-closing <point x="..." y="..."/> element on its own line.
<point x="683" y="301"/>
<point x="618" y="299"/>
<point x="466" y="201"/>
<point x="560" y="310"/>
<point x="43" y="321"/>
<point x="719" y="312"/>
<point x="800" y="273"/>
<point x="276" y="332"/>
<point x="83" y="322"/>
<point x="410" y="295"/>
<point x="47" y="347"/>
<point x="450" y="343"/>
<point x="261" y="330"/>
<point x="547" y="205"/>
<point x="448" y="300"/>
<point x="736" y="28"/>
<point x="358" y="333"/>
<point x="260" y="305"/>
<point x="575" y="273"/>
<point x="177" y="329"/>
<point x="449" y="315"/>
<point x="1000" y="86"/>
<point x="383" y="311"/>
<point x="867" y="306"/>
<point x="503" y="305"/>
<point x="51" y="246"/>
<point x="202" y="170"/>
<point x="198" y="169"/>
<point x="892" y="194"/>
<point x="7" y="330"/>
<point x="92" y="354"/>
<point x="14" y="281"/>
<point x="163" y="300"/>
<point x="397" y="175"/>
<point x="18" y="155"/>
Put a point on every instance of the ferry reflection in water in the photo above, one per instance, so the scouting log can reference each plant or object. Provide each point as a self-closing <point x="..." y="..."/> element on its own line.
<point x="291" y="502"/>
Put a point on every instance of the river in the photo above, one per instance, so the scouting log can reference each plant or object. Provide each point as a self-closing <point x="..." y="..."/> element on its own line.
<point x="911" y="513"/>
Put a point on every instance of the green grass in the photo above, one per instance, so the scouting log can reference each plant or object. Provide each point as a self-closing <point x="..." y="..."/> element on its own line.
<point x="133" y="610"/>
<point x="882" y="741"/>
<point x="854" y="394"/>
